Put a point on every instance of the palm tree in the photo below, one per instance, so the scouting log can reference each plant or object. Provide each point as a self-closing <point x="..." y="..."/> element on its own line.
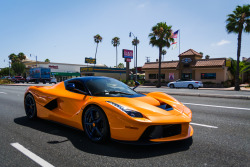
<point x="115" y="42"/>
<point x="164" y="52"/>
<point x="21" y="56"/>
<point x="236" y="23"/>
<point x="97" y="39"/>
<point x="161" y="37"/>
<point x="13" y="57"/>
<point x="134" y="43"/>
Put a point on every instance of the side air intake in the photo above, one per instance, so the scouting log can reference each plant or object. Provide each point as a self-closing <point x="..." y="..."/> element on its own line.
<point x="51" y="105"/>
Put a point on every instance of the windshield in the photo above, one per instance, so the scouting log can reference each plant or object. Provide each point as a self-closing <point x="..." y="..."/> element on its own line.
<point x="108" y="87"/>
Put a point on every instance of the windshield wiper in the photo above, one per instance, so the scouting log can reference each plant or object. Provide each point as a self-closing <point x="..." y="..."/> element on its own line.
<point x="116" y="92"/>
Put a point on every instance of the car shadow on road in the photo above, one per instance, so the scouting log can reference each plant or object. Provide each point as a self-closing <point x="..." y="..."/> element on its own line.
<point x="112" y="148"/>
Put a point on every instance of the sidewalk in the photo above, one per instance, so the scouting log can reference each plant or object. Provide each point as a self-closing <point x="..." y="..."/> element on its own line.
<point x="244" y="93"/>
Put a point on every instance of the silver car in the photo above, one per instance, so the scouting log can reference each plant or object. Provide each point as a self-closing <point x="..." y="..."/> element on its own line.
<point x="185" y="83"/>
<point x="53" y="80"/>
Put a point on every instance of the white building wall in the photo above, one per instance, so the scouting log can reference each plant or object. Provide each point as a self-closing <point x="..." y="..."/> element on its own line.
<point x="68" y="68"/>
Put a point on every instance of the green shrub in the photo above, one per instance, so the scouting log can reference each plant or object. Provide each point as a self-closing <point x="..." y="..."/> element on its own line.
<point x="208" y="82"/>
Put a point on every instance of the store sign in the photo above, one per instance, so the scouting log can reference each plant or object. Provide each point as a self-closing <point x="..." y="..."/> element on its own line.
<point x="53" y="67"/>
<point x="171" y="76"/>
<point x="127" y="53"/>
<point x="228" y="63"/>
<point x="127" y="60"/>
<point x="86" y="69"/>
<point x="90" y="60"/>
<point x="186" y="60"/>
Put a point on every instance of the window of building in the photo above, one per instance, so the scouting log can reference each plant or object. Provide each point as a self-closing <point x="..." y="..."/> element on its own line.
<point x="162" y="76"/>
<point x="186" y="76"/>
<point x="155" y="76"/>
<point x="208" y="75"/>
<point x="152" y="76"/>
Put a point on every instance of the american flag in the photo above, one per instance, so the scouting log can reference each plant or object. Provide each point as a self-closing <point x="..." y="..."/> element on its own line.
<point x="174" y="35"/>
<point x="174" y="43"/>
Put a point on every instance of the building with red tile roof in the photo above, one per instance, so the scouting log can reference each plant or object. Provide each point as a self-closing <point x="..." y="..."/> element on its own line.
<point x="190" y="66"/>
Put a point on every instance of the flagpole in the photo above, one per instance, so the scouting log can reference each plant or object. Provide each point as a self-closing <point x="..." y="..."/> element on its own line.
<point x="179" y="41"/>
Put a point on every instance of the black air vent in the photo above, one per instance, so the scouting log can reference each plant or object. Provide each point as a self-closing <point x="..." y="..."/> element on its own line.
<point x="51" y="105"/>
<point x="166" y="107"/>
<point x="161" y="131"/>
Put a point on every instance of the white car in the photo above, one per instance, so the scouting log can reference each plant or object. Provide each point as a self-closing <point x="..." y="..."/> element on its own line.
<point x="185" y="83"/>
<point x="53" y="80"/>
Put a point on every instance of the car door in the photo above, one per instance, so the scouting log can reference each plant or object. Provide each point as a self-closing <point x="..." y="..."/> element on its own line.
<point x="178" y="83"/>
<point x="72" y="101"/>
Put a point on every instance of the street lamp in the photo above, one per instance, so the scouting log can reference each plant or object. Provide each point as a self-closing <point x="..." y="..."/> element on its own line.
<point x="135" y="54"/>
<point x="36" y="60"/>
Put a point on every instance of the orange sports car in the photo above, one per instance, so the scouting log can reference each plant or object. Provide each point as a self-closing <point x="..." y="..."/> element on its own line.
<point x="106" y="108"/>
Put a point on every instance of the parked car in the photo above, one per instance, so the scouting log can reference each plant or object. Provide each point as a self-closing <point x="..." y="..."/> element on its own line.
<point x="6" y="77"/>
<point x="53" y="80"/>
<point x="18" y="79"/>
<point x="185" y="83"/>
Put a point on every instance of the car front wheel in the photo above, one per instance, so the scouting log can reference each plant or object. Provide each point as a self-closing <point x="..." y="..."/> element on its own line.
<point x="96" y="125"/>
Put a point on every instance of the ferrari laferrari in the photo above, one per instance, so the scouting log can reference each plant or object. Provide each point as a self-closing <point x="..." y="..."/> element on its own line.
<point x="105" y="108"/>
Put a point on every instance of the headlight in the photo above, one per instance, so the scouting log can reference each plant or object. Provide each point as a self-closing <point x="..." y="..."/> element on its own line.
<point x="128" y="111"/>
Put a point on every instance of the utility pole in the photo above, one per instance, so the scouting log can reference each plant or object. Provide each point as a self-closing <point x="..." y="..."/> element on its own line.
<point x="9" y="67"/>
<point x="135" y="54"/>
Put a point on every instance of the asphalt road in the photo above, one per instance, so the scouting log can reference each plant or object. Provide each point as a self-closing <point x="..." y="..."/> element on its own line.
<point x="221" y="138"/>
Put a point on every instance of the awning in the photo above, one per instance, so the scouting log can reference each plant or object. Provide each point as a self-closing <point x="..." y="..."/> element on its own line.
<point x="65" y="74"/>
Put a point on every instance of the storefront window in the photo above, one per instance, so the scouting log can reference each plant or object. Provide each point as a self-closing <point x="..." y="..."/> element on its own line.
<point x="162" y="76"/>
<point x="152" y="76"/>
<point x="208" y="75"/>
<point x="155" y="76"/>
<point x="186" y="76"/>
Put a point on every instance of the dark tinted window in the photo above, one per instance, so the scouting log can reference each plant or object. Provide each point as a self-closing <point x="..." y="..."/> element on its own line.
<point x="208" y="75"/>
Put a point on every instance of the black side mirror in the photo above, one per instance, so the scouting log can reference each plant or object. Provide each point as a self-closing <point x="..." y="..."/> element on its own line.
<point x="70" y="86"/>
<point x="136" y="85"/>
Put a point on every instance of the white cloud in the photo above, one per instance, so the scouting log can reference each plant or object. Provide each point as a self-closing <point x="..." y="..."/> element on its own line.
<point x="223" y="42"/>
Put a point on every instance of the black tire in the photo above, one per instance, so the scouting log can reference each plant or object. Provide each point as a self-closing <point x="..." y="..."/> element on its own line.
<point x="190" y="86"/>
<point x="96" y="125"/>
<point x="30" y="106"/>
<point x="171" y="85"/>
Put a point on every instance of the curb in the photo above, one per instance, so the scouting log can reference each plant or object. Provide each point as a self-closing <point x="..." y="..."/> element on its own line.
<point x="208" y="95"/>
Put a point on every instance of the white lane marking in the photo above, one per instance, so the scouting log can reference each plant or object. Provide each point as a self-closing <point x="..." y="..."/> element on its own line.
<point x="209" y="126"/>
<point x="237" y="108"/>
<point x="31" y="155"/>
<point x="3" y="92"/>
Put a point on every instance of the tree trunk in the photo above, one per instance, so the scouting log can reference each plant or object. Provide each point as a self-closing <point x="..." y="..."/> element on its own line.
<point x="96" y="51"/>
<point x="237" y="80"/>
<point x="116" y="56"/>
<point x="159" y="70"/>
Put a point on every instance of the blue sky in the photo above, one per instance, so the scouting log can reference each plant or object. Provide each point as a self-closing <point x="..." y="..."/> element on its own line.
<point x="63" y="30"/>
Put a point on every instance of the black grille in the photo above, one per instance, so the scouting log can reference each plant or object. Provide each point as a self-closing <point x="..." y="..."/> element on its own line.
<point x="161" y="131"/>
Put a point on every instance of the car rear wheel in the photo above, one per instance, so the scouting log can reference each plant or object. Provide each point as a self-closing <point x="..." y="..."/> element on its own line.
<point x="171" y="86"/>
<point x="190" y="86"/>
<point x="30" y="106"/>
<point x="96" y="125"/>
